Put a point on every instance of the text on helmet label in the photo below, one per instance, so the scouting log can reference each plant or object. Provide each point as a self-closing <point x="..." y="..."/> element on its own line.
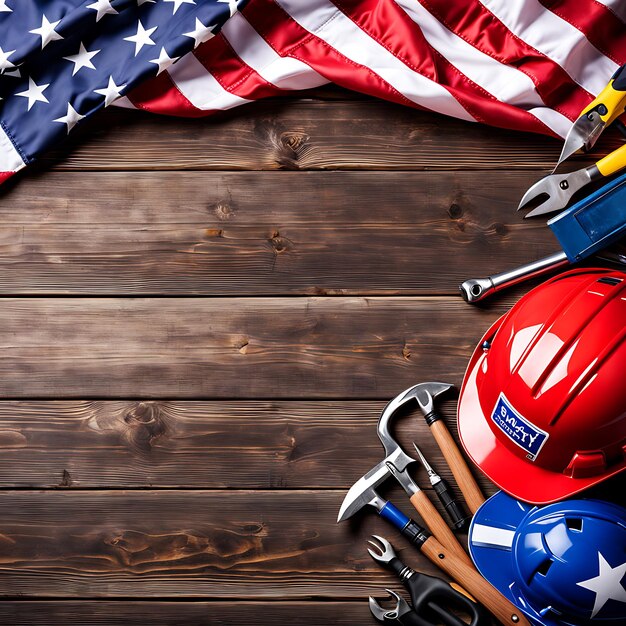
<point x="518" y="429"/>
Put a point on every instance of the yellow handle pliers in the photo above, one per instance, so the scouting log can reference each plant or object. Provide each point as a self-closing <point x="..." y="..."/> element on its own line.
<point x="554" y="192"/>
<point x="594" y="118"/>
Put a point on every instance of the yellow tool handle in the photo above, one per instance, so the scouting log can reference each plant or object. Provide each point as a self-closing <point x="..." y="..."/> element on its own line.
<point x="475" y="584"/>
<point x="611" y="97"/>
<point x="461" y="472"/>
<point x="613" y="162"/>
<point x="437" y="525"/>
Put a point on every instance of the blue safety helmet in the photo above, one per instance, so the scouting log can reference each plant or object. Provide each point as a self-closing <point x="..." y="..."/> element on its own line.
<point x="563" y="564"/>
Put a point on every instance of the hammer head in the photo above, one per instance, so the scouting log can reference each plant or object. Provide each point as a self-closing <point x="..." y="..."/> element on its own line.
<point x="362" y="493"/>
<point x="425" y="394"/>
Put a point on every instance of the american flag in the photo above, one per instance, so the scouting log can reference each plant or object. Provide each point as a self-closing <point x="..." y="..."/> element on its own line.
<point x="521" y="64"/>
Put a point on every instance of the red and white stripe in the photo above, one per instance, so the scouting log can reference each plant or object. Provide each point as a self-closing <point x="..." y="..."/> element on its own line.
<point x="528" y="65"/>
<point x="521" y="64"/>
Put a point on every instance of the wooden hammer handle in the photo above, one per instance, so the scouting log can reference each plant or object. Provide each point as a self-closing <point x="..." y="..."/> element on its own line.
<point x="437" y="525"/>
<point x="461" y="472"/>
<point x="475" y="584"/>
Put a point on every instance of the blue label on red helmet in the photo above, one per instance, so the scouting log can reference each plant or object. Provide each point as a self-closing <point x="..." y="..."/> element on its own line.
<point x="518" y="429"/>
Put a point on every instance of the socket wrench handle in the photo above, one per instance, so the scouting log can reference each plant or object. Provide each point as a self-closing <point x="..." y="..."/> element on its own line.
<point x="475" y="289"/>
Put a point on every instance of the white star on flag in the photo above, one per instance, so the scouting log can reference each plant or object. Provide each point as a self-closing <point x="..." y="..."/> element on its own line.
<point x="82" y="59"/>
<point x="607" y="585"/>
<point x="201" y="33"/>
<point x="34" y="93"/>
<point x="5" y="64"/>
<point x="142" y="38"/>
<point x="232" y="5"/>
<point x="102" y="7"/>
<point x="4" y="8"/>
<point x="71" y="119"/>
<point x="46" y="31"/>
<point x="164" y="61"/>
<point x="178" y="3"/>
<point x="111" y="92"/>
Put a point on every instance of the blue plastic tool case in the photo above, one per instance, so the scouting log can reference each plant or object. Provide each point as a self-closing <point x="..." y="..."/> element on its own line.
<point x="593" y="223"/>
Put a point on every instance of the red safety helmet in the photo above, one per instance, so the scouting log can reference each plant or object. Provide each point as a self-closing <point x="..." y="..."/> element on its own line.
<point x="542" y="409"/>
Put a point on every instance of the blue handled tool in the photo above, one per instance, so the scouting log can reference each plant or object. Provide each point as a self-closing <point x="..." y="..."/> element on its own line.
<point x="584" y="229"/>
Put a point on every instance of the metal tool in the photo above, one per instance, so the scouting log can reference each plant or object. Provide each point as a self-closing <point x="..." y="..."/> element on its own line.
<point x="582" y="230"/>
<point x="553" y="193"/>
<point x="401" y="613"/>
<point x="471" y="580"/>
<point x="475" y="289"/>
<point x="425" y="394"/>
<point x="594" y="118"/>
<point x="445" y="494"/>
<point x="432" y="598"/>
<point x="396" y="464"/>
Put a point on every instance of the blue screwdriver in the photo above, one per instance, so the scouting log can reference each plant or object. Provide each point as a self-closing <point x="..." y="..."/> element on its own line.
<point x="445" y="494"/>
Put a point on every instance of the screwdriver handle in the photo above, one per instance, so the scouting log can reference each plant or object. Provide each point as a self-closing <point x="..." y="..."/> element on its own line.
<point x="437" y="525"/>
<point x="461" y="472"/>
<point x="451" y="504"/>
<point x="485" y="593"/>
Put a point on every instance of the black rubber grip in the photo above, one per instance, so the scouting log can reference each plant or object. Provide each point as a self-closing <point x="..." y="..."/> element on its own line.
<point x="412" y="619"/>
<point x="432" y="417"/>
<point x="397" y="566"/>
<point x="453" y="507"/>
<point x="415" y="533"/>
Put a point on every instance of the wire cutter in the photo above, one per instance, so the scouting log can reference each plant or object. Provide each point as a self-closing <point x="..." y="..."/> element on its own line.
<point x="433" y="599"/>
<point x="554" y="192"/>
<point x="594" y="118"/>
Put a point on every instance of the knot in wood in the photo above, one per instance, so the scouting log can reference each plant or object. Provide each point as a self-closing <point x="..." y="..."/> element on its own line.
<point x="293" y="140"/>
<point x="223" y="211"/>
<point x="455" y="211"/>
<point x="500" y="229"/>
<point x="279" y="244"/>
<point x="142" y="413"/>
<point x="145" y="424"/>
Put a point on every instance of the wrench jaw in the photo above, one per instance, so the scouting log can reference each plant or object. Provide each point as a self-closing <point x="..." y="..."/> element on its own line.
<point x="389" y="615"/>
<point x="382" y="551"/>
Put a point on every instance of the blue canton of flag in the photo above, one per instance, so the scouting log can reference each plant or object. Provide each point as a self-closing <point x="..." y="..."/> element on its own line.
<point x="63" y="60"/>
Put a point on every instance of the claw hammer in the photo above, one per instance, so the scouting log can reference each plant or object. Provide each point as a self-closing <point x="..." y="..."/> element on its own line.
<point x="395" y="464"/>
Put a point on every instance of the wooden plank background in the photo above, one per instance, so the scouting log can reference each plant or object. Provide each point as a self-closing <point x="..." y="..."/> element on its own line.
<point x="200" y="322"/>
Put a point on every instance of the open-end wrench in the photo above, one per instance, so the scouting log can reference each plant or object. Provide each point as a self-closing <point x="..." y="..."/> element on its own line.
<point x="401" y="614"/>
<point x="467" y="576"/>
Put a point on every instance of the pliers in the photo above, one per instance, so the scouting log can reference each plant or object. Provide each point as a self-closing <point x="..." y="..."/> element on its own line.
<point x="554" y="192"/>
<point x="433" y="599"/>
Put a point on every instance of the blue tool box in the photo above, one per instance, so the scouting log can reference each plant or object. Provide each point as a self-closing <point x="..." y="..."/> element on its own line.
<point x="593" y="223"/>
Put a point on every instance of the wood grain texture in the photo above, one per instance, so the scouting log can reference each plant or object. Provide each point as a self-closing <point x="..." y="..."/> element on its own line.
<point x="190" y="544"/>
<point x="304" y="134"/>
<point x="210" y="445"/>
<point x="457" y="464"/>
<point x="472" y="582"/>
<point x="233" y="347"/>
<point x="198" y="613"/>
<point x="269" y="233"/>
